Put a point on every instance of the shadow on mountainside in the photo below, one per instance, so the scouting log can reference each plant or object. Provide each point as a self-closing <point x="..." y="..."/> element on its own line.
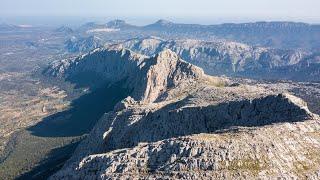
<point x="83" y="114"/>
<point x="75" y="122"/>
<point x="51" y="164"/>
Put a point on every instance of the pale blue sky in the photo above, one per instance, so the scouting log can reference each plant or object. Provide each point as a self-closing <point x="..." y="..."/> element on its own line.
<point x="295" y="10"/>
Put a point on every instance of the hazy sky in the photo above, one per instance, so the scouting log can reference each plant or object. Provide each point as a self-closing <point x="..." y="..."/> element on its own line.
<point x="297" y="10"/>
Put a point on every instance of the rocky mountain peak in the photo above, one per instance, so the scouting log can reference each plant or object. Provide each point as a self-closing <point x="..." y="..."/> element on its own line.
<point x="168" y="71"/>
<point x="167" y="54"/>
<point x="149" y="77"/>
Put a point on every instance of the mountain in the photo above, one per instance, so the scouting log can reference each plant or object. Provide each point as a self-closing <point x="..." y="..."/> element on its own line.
<point x="64" y="29"/>
<point x="116" y="64"/>
<point x="82" y="44"/>
<point x="168" y="29"/>
<point x="307" y="69"/>
<point x="272" y="34"/>
<point x="111" y="26"/>
<point x="235" y="59"/>
<point x="285" y="35"/>
<point x="90" y="25"/>
<point x="179" y="123"/>
<point x="120" y="24"/>
<point x="160" y="25"/>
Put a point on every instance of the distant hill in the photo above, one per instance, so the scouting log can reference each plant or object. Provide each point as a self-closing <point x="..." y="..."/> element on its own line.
<point x="82" y="44"/>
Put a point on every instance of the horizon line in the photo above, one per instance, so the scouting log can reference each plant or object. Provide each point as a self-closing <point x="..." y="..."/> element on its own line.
<point x="148" y="20"/>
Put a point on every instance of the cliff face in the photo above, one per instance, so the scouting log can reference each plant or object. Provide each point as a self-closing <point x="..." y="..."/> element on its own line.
<point x="148" y="77"/>
<point x="180" y="123"/>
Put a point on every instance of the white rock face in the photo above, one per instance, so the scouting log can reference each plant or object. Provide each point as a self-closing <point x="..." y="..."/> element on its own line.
<point x="179" y="123"/>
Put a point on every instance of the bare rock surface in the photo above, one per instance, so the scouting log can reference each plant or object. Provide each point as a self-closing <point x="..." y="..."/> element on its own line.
<point x="179" y="123"/>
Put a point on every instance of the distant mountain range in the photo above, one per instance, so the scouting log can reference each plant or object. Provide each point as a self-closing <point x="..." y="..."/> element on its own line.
<point x="267" y="50"/>
<point x="236" y="59"/>
<point x="285" y="35"/>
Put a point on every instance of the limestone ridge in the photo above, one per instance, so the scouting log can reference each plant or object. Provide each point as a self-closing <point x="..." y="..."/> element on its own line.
<point x="169" y="122"/>
<point x="182" y="139"/>
<point x="149" y="77"/>
<point x="179" y="124"/>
